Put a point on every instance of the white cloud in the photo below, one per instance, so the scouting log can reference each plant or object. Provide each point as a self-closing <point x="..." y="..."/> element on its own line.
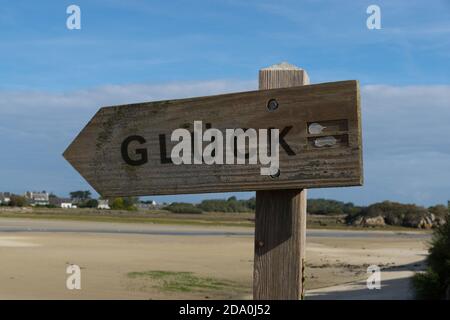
<point x="406" y="120"/>
<point x="24" y="102"/>
<point x="39" y="114"/>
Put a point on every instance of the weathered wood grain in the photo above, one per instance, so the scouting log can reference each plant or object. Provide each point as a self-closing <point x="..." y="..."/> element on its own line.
<point x="280" y="232"/>
<point x="96" y="152"/>
<point x="280" y="225"/>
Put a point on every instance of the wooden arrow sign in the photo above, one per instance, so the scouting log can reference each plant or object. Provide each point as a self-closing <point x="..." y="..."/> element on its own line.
<point x="127" y="150"/>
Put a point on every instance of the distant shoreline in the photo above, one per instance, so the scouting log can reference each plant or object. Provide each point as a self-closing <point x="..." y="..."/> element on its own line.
<point x="212" y="219"/>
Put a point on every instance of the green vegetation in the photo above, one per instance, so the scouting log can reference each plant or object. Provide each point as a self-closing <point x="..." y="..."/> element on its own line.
<point x="91" y="203"/>
<point x="182" y="207"/>
<point x="82" y="199"/>
<point x="17" y="201"/>
<point x="321" y="212"/>
<point x="126" y="203"/>
<point x="135" y="216"/>
<point x="184" y="281"/>
<point x="395" y="213"/>
<point x="392" y="213"/>
<point x="80" y="195"/>
<point x="439" y="210"/>
<point x="435" y="282"/>
<point x="399" y="214"/>
<point x="229" y="205"/>
<point x="333" y="207"/>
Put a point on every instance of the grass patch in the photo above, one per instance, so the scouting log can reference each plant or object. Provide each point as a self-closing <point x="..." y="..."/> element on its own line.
<point x="170" y="281"/>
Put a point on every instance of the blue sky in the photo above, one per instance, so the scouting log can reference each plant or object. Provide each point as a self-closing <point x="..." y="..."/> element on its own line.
<point x="52" y="80"/>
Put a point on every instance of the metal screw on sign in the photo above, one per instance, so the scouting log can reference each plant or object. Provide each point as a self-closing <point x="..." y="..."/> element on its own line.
<point x="272" y="105"/>
<point x="276" y="175"/>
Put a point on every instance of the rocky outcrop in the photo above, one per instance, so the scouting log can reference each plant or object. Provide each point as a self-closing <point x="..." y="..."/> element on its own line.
<point x="430" y="221"/>
<point x="369" y="221"/>
<point x="427" y="221"/>
<point x="439" y="221"/>
<point x="374" y="221"/>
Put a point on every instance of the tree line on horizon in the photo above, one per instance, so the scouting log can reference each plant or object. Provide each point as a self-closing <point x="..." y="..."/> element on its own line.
<point x="315" y="206"/>
<point x="393" y="213"/>
<point x="377" y="214"/>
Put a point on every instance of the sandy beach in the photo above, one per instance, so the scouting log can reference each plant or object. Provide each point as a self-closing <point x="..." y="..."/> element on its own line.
<point x="131" y="261"/>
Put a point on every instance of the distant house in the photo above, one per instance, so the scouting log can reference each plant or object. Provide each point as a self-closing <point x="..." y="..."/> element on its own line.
<point x="38" y="198"/>
<point x="147" y="205"/>
<point x="103" y="204"/>
<point x="68" y="205"/>
<point x="5" y="198"/>
<point x="64" y="203"/>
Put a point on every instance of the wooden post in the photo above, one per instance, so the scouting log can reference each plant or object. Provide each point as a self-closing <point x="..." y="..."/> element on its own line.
<point x="280" y="227"/>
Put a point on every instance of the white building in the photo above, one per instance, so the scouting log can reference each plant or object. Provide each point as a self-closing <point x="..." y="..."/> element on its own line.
<point x="103" y="204"/>
<point x="68" y="205"/>
<point x="38" y="198"/>
<point x="5" y="198"/>
<point x="64" y="203"/>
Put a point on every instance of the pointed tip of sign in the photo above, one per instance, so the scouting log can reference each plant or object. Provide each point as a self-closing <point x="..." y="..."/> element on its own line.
<point x="66" y="153"/>
<point x="282" y="66"/>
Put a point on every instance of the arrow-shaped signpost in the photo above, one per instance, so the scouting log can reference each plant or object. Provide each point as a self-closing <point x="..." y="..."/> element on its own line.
<point x="294" y="136"/>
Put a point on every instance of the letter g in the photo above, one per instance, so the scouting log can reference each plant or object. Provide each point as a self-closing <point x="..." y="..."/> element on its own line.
<point x="141" y="152"/>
